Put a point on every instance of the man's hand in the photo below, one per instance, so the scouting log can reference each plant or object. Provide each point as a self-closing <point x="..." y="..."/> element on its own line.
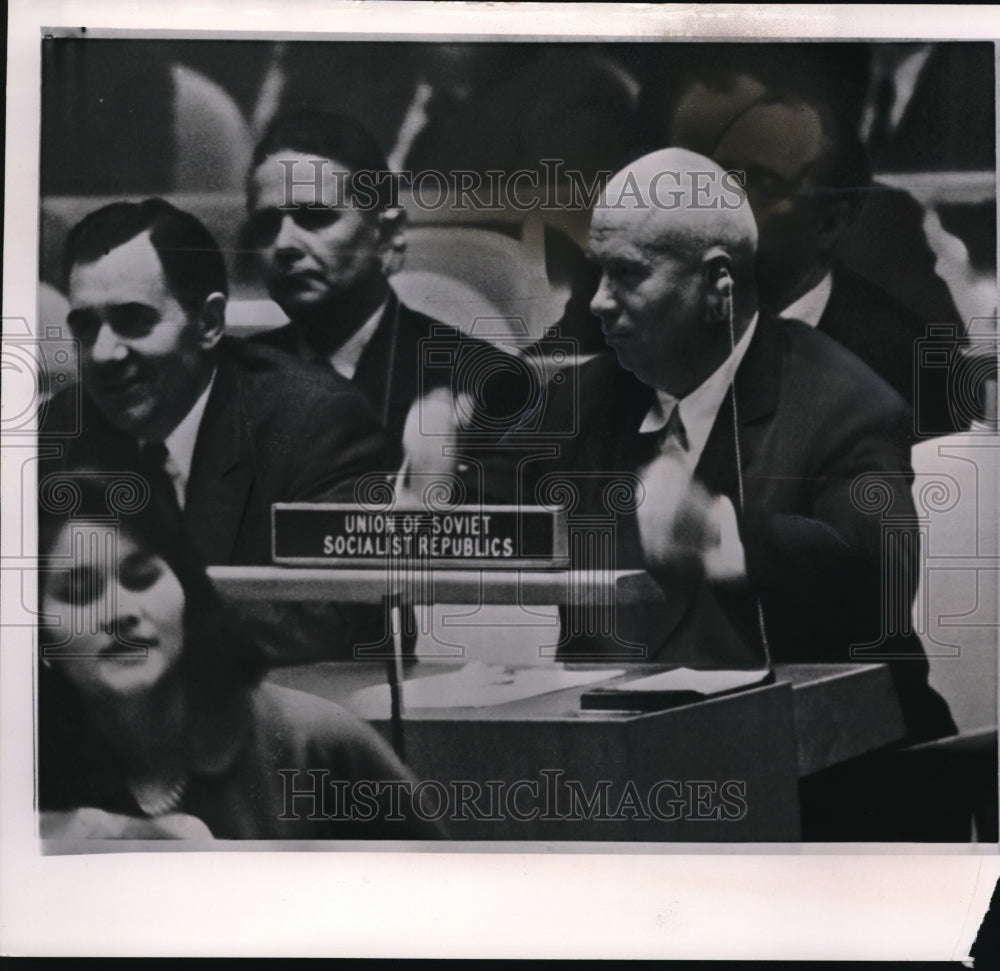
<point x="429" y="438"/>
<point x="683" y="527"/>
<point x="676" y="522"/>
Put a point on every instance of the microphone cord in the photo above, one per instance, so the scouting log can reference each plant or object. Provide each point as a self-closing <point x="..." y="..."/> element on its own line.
<point x="739" y="478"/>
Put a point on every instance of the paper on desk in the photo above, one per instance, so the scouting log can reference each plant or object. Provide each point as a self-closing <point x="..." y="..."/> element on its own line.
<point x="476" y="685"/>
<point x="689" y="679"/>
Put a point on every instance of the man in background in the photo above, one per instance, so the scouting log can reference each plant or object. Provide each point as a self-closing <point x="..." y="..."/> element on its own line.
<point x="807" y="176"/>
<point x="329" y="232"/>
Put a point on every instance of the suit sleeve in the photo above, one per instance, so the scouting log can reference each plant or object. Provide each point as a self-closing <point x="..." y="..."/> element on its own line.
<point x="842" y="572"/>
<point x="381" y="798"/>
<point x="338" y="443"/>
<point x="331" y="446"/>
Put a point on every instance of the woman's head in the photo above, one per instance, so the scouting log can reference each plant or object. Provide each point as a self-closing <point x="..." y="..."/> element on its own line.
<point x="116" y="610"/>
<point x="125" y="599"/>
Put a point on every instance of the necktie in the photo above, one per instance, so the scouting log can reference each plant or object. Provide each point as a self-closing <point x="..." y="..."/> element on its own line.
<point x="153" y="459"/>
<point x="670" y="441"/>
<point x="666" y="470"/>
<point x="673" y="437"/>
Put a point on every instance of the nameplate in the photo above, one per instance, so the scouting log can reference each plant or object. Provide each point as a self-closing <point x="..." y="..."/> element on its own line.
<point x="462" y="537"/>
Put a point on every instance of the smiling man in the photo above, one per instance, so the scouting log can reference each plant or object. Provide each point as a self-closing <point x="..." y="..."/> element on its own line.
<point x="220" y="428"/>
<point x="146" y="358"/>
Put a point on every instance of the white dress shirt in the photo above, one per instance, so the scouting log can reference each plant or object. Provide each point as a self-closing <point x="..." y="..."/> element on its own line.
<point x="698" y="411"/>
<point x="904" y="77"/>
<point x="810" y="306"/>
<point x="344" y="359"/>
<point x="180" y="444"/>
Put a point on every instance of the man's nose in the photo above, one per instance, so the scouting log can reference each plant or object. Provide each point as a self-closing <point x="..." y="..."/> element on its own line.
<point x="603" y="303"/>
<point x="287" y="240"/>
<point x="108" y="346"/>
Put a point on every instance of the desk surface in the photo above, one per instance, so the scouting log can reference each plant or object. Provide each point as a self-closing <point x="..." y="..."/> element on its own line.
<point x="840" y="710"/>
<point x="420" y="586"/>
<point x="761" y="741"/>
<point x="765" y="738"/>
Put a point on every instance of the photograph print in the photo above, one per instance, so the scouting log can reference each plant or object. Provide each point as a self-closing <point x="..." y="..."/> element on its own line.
<point x="477" y="440"/>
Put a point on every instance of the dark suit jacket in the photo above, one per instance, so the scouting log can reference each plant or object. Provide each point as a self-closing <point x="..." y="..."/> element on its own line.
<point x="410" y="354"/>
<point x="949" y="120"/>
<point x="812" y="419"/>
<point x="885" y="334"/>
<point x="273" y="430"/>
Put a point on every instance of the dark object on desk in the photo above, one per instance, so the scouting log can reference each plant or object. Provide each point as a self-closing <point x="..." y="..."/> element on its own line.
<point x="671" y="689"/>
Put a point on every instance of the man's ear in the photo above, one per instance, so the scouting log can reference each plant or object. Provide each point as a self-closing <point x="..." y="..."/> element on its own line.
<point x="213" y="320"/>
<point x="717" y="267"/>
<point x="392" y="239"/>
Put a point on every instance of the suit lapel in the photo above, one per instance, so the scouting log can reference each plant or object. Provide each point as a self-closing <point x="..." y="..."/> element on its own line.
<point x="840" y="316"/>
<point x="388" y="371"/>
<point x="757" y="387"/>
<point x="222" y="470"/>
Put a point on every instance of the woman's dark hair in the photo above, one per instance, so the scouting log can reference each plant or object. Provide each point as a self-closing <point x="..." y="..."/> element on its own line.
<point x="219" y="649"/>
<point x="220" y="656"/>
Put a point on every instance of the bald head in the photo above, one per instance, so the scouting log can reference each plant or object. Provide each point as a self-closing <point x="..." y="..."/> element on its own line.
<point x="675" y="240"/>
<point x="677" y="201"/>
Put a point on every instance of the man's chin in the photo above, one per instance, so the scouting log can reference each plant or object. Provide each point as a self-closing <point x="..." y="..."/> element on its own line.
<point x="295" y="298"/>
<point x="133" y="419"/>
<point x="626" y="361"/>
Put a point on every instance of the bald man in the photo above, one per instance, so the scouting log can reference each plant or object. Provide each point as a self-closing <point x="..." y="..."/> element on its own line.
<point x="743" y="437"/>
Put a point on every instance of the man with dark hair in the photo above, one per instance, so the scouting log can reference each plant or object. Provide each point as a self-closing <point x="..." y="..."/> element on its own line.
<point x="325" y="221"/>
<point x="220" y="428"/>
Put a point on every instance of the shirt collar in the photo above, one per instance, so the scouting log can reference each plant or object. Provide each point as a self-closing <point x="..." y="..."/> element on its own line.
<point x="181" y="441"/>
<point x="905" y="77"/>
<point x="810" y="306"/>
<point x="699" y="408"/>
<point x="344" y="359"/>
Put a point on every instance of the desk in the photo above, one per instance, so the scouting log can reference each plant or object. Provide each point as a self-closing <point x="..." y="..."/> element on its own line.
<point x="723" y="770"/>
<point x="525" y="587"/>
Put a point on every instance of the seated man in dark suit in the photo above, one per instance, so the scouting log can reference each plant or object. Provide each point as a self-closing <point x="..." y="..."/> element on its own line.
<point x="329" y="232"/>
<point x="747" y="441"/>
<point x="807" y="177"/>
<point x="220" y="428"/>
<point x="807" y="180"/>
